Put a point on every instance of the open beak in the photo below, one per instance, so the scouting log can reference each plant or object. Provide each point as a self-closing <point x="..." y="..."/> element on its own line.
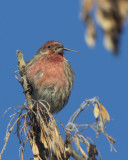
<point x="66" y="49"/>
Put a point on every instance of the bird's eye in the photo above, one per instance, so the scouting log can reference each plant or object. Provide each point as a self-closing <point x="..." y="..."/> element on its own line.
<point x="49" y="46"/>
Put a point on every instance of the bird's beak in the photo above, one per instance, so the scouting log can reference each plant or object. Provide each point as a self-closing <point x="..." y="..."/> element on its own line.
<point x="66" y="49"/>
<point x="60" y="48"/>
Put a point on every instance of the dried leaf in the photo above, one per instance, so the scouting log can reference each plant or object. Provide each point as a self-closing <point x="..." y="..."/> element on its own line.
<point x="100" y="111"/>
<point x="104" y="113"/>
<point x="35" y="149"/>
<point x="87" y="6"/>
<point x="90" y="35"/>
<point x="83" y="153"/>
<point x="110" y="138"/>
<point x="77" y="142"/>
<point x="96" y="111"/>
<point x="51" y="137"/>
<point x="106" y="23"/>
<point x="43" y="139"/>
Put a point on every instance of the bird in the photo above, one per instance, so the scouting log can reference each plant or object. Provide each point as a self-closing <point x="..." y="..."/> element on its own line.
<point x="50" y="76"/>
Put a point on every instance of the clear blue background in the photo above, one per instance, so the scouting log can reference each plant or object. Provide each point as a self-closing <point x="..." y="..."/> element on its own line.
<point x="26" y="25"/>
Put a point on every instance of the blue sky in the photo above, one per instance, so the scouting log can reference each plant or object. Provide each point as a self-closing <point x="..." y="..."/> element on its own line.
<point x="26" y="25"/>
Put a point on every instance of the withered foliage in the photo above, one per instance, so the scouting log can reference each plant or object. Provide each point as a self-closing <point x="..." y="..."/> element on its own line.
<point x="38" y="126"/>
<point x="110" y="15"/>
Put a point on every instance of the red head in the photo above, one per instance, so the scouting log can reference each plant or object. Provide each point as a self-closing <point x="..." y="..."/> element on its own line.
<point x="54" y="47"/>
<point x="50" y="43"/>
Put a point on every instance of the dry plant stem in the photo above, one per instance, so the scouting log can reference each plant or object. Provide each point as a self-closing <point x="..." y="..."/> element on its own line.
<point x="83" y="105"/>
<point x="21" y="65"/>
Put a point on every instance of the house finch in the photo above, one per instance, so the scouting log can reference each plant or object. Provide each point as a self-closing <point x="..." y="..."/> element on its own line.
<point x="50" y="76"/>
